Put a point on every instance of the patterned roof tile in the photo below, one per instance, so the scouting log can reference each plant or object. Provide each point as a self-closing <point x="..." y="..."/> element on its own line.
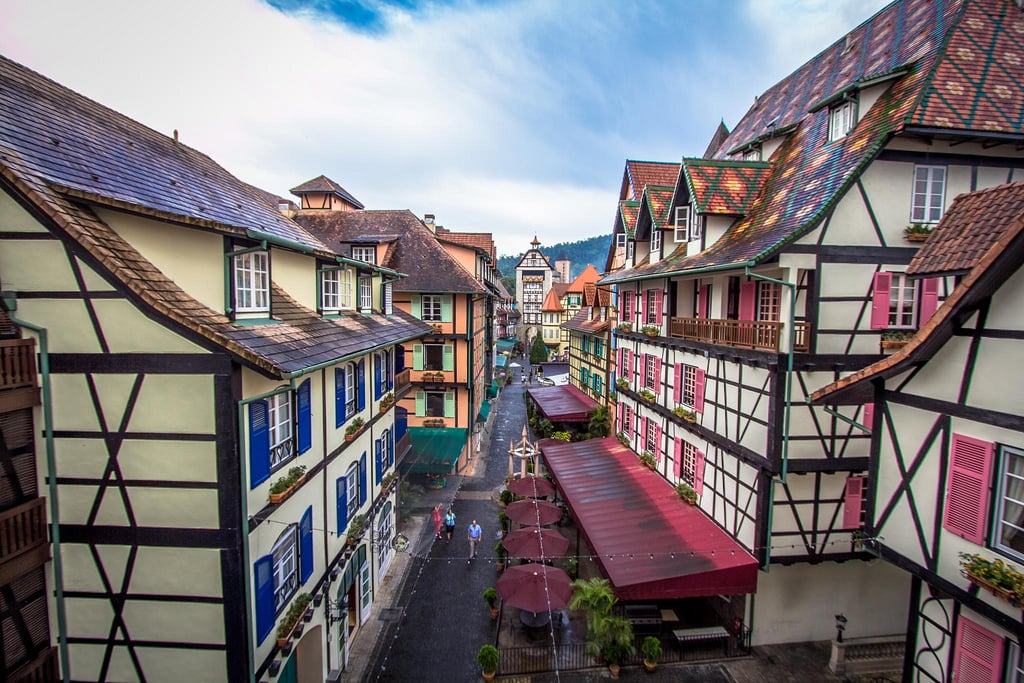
<point x="640" y="174"/>
<point x="724" y="187"/>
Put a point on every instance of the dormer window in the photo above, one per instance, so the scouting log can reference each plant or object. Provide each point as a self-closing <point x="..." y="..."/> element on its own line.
<point x="620" y="240"/>
<point x="655" y="241"/>
<point x="752" y="153"/>
<point x="682" y="223"/>
<point x="367" y="254"/>
<point x="841" y="119"/>
<point x="252" y="282"/>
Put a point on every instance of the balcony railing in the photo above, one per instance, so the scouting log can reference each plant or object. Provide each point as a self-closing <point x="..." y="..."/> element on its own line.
<point x="42" y="669"/>
<point x="22" y="528"/>
<point x="17" y="363"/>
<point x="752" y="334"/>
<point x="403" y="380"/>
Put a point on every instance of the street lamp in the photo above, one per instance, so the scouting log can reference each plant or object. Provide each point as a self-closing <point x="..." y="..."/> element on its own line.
<point x="840" y="627"/>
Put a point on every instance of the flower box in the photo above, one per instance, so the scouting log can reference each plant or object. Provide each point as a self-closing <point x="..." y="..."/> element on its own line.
<point x="916" y="237"/>
<point x="997" y="577"/>
<point x="998" y="591"/>
<point x="283" y="487"/>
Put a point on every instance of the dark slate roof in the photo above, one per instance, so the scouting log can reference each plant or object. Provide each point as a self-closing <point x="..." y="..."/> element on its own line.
<point x="720" y="136"/>
<point x="324" y="184"/>
<point x="83" y="149"/>
<point x="807" y="177"/>
<point x="640" y="174"/>
<point x="272" y="199"/>
<point x="990" y="267"/>
<point x="416" y="252"/>
<point x="724" y="187"/>
<point x="969" y="228"/>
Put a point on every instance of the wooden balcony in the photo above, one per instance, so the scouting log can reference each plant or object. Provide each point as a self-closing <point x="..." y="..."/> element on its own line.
<point x="17" y="363"/>
<point x="750" y="334"/>
<point x="403" y="382"/>
<point x="24" y="543"/>
<point x="42" y="669"/>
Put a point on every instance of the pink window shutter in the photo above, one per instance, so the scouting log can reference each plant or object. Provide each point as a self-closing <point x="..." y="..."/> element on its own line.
<point x="643" y="433"/>
<point x="643" y="368"/>
<point x="869" y="415"/>
<point x="702" y="301"/>
<point x="880" y="301"/>
<point x="642" y="307"/>
<point x="677" y="383"/>
<point x="657" y="376"/>
<point x="698" y="472"/>
<point x="929" y="299"/>
<point x="657" y="443"/>
<point x="621" y="362"/>
<point x="748" y="300"/>
<point x="659" y="303"/>
<point x="698" y="391"/>
<point x="677" y="453"/>
<point x="618" y="421"/>
<point x="978" y="656"/>
<point x="853" y="499"/>
<point x="970" y="467"/>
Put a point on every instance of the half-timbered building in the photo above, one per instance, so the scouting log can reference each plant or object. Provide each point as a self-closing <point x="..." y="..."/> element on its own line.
<point x="211" y="428"/>
<point x="943" y="498"/>
<point x="534" y="277"/>
<point x="590" y="345"/>
<point x="778" y="263"/>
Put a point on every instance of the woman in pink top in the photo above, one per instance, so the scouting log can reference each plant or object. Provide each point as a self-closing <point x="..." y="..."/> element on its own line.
<point x="437" y="521"/>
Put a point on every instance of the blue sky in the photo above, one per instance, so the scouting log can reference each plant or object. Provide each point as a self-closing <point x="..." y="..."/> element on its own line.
<point x="507" y="116"/>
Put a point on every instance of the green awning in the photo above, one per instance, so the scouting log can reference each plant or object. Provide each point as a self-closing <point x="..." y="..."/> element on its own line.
<point x="434" y="449"/>
<point x="506" y="344"/>
<point x="485" y="410"/>
<point x="492" y="391"/>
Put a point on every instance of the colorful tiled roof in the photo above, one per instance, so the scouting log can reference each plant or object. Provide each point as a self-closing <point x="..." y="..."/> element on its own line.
<point x="552" y="302"/>
<point x="970" y="227"/>
<point x="584" y="321"/>
<point x="655" y="204"/>
<point x="588" y="277"/>
<point x="724" y="187"/>
<point x="324" y="184"/>
<point x="640" y="174"/>
<point x="86" y="150"/>
<point x="416" y="252"/>
<point x="628" y="210"/>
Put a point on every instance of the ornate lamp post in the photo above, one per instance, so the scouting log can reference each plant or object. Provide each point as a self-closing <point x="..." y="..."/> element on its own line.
<point x="523" y="452"/>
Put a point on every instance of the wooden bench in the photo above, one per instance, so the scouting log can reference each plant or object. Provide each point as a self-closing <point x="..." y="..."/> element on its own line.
<point x="703" y="634"/>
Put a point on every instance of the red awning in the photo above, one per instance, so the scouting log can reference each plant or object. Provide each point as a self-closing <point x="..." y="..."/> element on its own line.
<point x="627" y="512"/>
<point x="563" y="403"/>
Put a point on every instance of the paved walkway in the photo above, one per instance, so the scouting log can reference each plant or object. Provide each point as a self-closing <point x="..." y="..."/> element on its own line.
<point x="429" y="618"/>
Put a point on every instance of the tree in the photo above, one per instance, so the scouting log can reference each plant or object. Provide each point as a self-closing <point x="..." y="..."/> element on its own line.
<point x="539" y="351"/>
<point x="600" y="422"/>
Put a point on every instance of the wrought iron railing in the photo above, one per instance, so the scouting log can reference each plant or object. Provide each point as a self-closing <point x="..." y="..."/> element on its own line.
<point x="754" y="334"/>
<point x="17" y="363"/>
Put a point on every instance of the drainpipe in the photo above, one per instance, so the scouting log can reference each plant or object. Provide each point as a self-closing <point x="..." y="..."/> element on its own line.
<point x="11" y="304"/>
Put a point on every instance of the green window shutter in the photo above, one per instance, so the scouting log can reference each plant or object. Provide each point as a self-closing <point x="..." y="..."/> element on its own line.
<point x="449" y="357"/>
<point x="446" y="308"/>
<point x="417" y="356"/>
<point x="417" y="312"/>
<point x="421" y="404"/>
<point x="449" y="404"/>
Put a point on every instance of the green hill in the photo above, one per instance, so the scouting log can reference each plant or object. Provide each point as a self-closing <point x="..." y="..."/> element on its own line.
<point x="592" y="250"/>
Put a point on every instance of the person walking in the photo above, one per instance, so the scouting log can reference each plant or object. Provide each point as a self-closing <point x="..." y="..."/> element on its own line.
<point x="473" y="535"/>
<point x="449" y="524"/>
<point x="437" y="521"/>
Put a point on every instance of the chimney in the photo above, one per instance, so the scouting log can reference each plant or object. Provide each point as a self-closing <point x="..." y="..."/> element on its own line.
<point x="428" y="219"/>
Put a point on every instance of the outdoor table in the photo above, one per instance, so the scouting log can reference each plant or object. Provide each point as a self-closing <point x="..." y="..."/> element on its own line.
<point x="534" y="619"/>
<point x="703" y="633"/>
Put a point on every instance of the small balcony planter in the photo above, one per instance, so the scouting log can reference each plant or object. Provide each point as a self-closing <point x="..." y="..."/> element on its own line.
<point x="274" y="668"/>
<point x="286" y="485"/>
<point x="622" y="384"/>
<point x="623" y="438"/>
<point x="686" y="492"/>
<point x="624" y="327"/>
<point x="895" y="339"/>
<point x="291" y="626"/>
<point x="684" y="413"/>
<point x="650" y="330"/>
<point x="647" y="460"/>
<point x="648" y="395"/>
<point x="388" y="480"/>
<point x="995" y="576"/>
<point x="356" y="528"/>
<point x="386" y="402"/>
<point x="917" y="232"/>
<point x="352" y="431"/>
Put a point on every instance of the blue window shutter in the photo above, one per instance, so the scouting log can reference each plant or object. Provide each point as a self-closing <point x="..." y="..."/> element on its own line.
<point x="259" y="443"/>
<point x="339" y="396"/>
<point x="266" y="614"/>
<point x="361" y="384"/>
<point x="342" y="491"/>
<point x="306" y="544"/>
<point x="305" y="426"/>
<point x="362" y="479"/>
<point x="399" y="358"/>
<point x="376" y="376"/>
<point x="378" y="465"/>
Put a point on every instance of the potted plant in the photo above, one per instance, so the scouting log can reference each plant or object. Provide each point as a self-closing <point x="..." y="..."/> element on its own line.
<point x="651" y="649"/>
<point x="387" y="401"/>
<point x="613" y="639"/>
<point x="354" y="428"/>
<point x="571" y="567"/>
<point x="356" y="527"/>
<point x="283" y="487"/>
<point x="624" y="327"/>
<point x="500" y="556"/>
<point x="388" y="480"/>
<point x="562" y="436"/>
<point x="491" y="598"/>
<point x="487" y="658"/>
<point x="291" y="623"/>
<point x="595" y="598"/>
<point x="622" y="384"/>
<point x="505" y="497"/>
<point x="623" y="438"/>
<point x="650" y="330"/>
<point x="917" y="232"/>
<point x="647" y="460"/>
<point x="995" y="576"/>
<point x="503" y="523"/>
<point x="647" y="395"/>
<point x="894" y="339"/>
<point x="686" y="492"/>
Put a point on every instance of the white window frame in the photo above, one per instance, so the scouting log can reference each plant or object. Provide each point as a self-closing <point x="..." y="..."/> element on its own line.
<point x="929" y="191"/>
<point x="385" y="530"/>
<point x="688" y="395"/>
<point x="330" y="290"/>
<point x="286" y="566"/>
<point x="752" y="153"/>
<point x="650" y="440"/>
<point x="252" y="282"/>
<point x="351" y="390"/>
<point x="620" y="240"/>
<point x="427" y="403"/>
<point x="1009" y="478"/>
<point x="1014" y="663"/>
<point x="655" y="240"/>
<point x="903" y="301"/>
<point x="650" y="380"/>
<point x="681" y="224"/>
<point x="693" y="225"/>
<point x="842" y="117"/>
<point x="438" y="348"/>
<point x="352" y="491"/>
<point x="386" y="456"/>
<point x="430" y="308"/>
<point x="280" y="423"/>
<point x="345" y="289"/>
<point x="365" y="293"/>
<point x="651" y="312"/>
<point x="688" y="464"/>
<point x="629" y="249"/>
<point x="769" y="302"/>
<point x="365" y="254"/>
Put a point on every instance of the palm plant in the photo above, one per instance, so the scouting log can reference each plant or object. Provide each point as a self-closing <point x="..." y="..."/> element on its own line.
<point x="600" y="422"/>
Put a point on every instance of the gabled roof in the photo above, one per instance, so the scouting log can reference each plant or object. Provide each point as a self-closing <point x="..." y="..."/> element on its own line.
<point x="584" y="321"/>
<point x="552" y="301"/>
<point x="640" y="174"/>
<point x="724" y="187"/>
<point x="628" y="210"/>
<point x="904" y="42"/>
<point x="720" y="136"/>
<point x="483" y="241"/>
<point x="82" y="149"/>
<point x="588" y="277"/>
<point x="414" y="250"/>
<point x="324" y="184"/>
<point x="998" y="214"/>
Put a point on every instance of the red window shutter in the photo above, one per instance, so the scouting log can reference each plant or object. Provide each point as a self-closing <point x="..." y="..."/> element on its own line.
<point x="698" y="472"/>
<point x="978" y="657"/>
<point x="657" y="376"/>
<point x="869" y="415"/>
<point x="659" y="302"/>
<point x="929" y="299"/>
<point x="702" y="301"/>
<point x="748" y="300"/>
<point x="852" y="502"/>
<point x="618" y="421"/>
<point x="621" y="362"/>
<point x="698" y="391"/>
<point x="677" y="466"/>
<point x="970" y="467"/>
<point x="643" y="433"/>
<point x="677" y="383"/>
<point x="657" y="443"/>
<point x="880" y="301"/>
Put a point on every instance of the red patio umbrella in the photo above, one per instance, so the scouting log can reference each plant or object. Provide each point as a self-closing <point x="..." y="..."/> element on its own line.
<point x="535" y="543"/>
<point x="535" y="587"/>
<point x="533" y="512"/>
<point x="534" y="487"/>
